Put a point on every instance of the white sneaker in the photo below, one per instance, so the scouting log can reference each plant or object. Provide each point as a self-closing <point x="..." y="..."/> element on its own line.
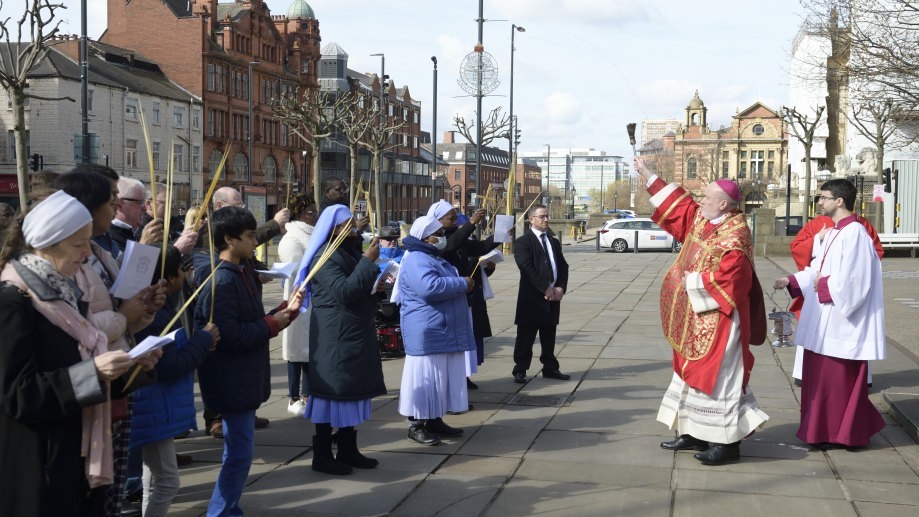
<point x="297" y="408"/>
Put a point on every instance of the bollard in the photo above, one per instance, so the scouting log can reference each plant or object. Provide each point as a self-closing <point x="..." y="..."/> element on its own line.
<point x="598" y="241"/>
<point x="636" y="241"/>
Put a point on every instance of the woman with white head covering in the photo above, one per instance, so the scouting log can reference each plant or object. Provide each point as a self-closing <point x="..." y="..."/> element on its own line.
<point x="345" y="371"/>
<point x="437" y="334"/>
<point x="55" y="369"/>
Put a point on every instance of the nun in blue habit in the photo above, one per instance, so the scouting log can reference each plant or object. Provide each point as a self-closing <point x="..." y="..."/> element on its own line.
<point x="345" y="370"/>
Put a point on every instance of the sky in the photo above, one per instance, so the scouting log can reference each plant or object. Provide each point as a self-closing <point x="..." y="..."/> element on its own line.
<point x="583" y="69"/>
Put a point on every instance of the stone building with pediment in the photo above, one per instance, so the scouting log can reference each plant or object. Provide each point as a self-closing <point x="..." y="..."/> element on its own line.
<point x="751" y="151"/>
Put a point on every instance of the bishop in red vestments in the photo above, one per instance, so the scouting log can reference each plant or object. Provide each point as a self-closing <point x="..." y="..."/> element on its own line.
<point x="712" y="311"/>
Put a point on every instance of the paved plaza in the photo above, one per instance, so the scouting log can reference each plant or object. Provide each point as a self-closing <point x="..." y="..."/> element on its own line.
<point x="588" y="446"/>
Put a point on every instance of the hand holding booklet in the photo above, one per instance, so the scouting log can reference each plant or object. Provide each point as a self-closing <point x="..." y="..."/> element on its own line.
<point x="151" y="343"/>
<point x="136" y="272"/>
<point x="389" y="274"/>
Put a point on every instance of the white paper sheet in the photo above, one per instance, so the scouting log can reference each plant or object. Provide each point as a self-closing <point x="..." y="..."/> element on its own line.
<point x="137" y="267"/>
<point x="151" y="343"/>
<point x="279" y="270"/>
<point x="503" y="226"/>
<point x="494" y="256"/>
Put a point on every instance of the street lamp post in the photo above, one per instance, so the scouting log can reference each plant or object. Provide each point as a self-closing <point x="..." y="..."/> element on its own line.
<point x="434" y="137"/>
<point x="601" y="189"/>
<point x="249" y="136"/>
<point x="512" y="134"/>
<point x="379" y="178"/>
<point x="615" y="201"/>
<point x="548" y="177"/>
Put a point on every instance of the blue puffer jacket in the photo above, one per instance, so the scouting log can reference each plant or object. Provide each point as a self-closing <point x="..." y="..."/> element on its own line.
<point x="236" y="376"/>
<point x="167" y="408"/>
<point x="434" y="312"/>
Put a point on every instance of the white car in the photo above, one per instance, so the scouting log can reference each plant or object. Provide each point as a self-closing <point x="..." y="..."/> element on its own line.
<point x="619" y="235"/>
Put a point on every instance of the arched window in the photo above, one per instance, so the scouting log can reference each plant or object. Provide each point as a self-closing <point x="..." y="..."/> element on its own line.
<point x="288" y="170"/>
<point x="213" y="161"/>
<point x="692" y="168"/>
<point x="240" y="168"/>
<point x="694" y="120"/>
<point x="269" y="170"/>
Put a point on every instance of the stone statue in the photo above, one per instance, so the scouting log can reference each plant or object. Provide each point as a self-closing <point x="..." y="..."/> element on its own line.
<point x="867" y="161"/>
<point x="843" y="165"/>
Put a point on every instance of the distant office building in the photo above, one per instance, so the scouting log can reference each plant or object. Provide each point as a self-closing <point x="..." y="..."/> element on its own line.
<point x="576" y="174"/>
<point x="656" y="129"/>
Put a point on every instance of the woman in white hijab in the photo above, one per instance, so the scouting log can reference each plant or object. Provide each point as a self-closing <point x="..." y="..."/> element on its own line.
<point x="55" y="369"/>
<point x="437" y="334"/>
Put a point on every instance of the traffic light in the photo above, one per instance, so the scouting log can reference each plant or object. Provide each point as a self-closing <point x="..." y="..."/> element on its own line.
<point x="385" y="84"/>
<point x="517" y="136"/>
<point x="35" y="162"/>
<point x="885" y="178"/>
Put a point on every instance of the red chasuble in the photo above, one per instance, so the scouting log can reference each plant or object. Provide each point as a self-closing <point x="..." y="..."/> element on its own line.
<point x="723" y="254"/>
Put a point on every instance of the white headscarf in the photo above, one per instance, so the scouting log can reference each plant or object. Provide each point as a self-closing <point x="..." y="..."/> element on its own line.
<point x="425" y="225"/>
<point x="54" y="219"/>
<point x="439" y="209"/>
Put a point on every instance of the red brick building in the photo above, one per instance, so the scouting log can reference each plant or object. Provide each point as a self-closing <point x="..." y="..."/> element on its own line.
<point x="221" y="52"/>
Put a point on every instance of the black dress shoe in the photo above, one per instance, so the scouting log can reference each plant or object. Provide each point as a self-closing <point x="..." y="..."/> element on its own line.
<point x="471" y="385"/>
<point x="417" y="433"/>
<point x="685" y="442"/>
<point x="183" y="459"/>
<point x="555" y="374"/>
<point x="261" y="423"/>
<point x="438" y="427"/>
<point x="520" y="377"/>
<point x="719" y="454"/>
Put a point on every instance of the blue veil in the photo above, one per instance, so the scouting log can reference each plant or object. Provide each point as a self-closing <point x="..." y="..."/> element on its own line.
<point x="330" y="217"/>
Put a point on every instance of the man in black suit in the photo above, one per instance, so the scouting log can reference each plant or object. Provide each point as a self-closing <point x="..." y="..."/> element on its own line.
<point x="543" y="281"/>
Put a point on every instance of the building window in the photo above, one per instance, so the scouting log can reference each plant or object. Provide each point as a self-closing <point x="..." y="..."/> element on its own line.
<point x="725" y="164"/>
<point x="178" y="116"/>
<point x="269" y="170"/>
<point x="756" y="164"/>
<point x="155" y="113"/>
<point x="743" y="170"/>
<point x="692" y="168"/>
<point x="770" y="169"/>
<point x="210" y="122"/>
<point x="471" y="176"/>
<point x="195" y="158"/>
<point x="218" y="71"/>
<point x="240" y="167"/>
<point x="130" y="153"/>
<point x="457" y="175"/>
<point x="196" y="119"/>
<point x="130" y="109"/>
<point x="156" y="155"/>
<point x="758" y="130"/>
<point x="178" y="158"/>
<point x="214" y="161"/>
<point x="245" y="92"/>
<point x="416" y="117"/>
<point x="211" y="77"/>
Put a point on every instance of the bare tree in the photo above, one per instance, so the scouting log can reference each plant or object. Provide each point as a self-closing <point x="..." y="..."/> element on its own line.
<point x="496" y="125"/>
<point x="803" y="128"/>
<point x="379" y="139"/>
<point x="355" y="126"/>
<point x="39" y="26"/>
<point x="313" y="117"/>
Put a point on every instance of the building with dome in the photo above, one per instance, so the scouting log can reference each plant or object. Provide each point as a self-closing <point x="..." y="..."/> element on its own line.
<point x="752" y="151"/>
<point x="235" y="56"/>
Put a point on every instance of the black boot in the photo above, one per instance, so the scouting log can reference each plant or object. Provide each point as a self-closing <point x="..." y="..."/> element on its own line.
<point x="323" y="461"/>
<point x="346" y="438"/>
<point x="719" y="454"/>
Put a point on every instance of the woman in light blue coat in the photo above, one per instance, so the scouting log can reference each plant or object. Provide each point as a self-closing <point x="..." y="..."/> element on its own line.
<point x="436" y="332"/>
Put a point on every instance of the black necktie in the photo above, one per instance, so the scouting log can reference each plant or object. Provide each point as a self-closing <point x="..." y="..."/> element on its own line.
<point x="545" y="248"/>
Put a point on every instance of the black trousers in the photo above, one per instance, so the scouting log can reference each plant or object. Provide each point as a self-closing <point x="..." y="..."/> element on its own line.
<point x="523" y="347"/>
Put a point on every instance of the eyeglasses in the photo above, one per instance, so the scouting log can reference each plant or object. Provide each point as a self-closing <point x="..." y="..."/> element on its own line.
<point x="540" y="216"/>
<point x="826" y="198"/>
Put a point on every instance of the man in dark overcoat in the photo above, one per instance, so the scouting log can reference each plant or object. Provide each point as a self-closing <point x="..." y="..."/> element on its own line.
<point x="543" y="282"/>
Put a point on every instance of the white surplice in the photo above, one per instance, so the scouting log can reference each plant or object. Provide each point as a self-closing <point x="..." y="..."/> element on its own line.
<point x="852" y="326"/>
